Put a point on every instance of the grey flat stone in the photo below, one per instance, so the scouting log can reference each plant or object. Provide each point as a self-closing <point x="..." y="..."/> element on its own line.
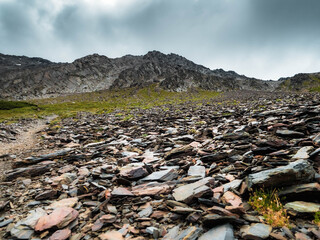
<point x="215" y="219"/>
<point x="235" y="184"/>
<point x="191" y="233"/>
<point x="187" y="193"/>
<point x="222" y="232"/>
<point x="161" y="176"/>
<point x="197" y="171"/>
<point x="299" y="171"/>
<point x="303" y="207"/>
<point x="256" y="231"/>
<point x="24" y="229"/>
<point x="172" y="233"/>
<point x="306" y="190"/>
<point x="289" y="134"/>
<point x="146" y="212"/>
<point x="303" y="153"/>
<point x="6" y="222"/>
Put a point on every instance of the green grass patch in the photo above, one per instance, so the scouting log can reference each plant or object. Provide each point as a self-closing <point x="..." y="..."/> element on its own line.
<point x="315" y="89"/>
<point x="8" y="105"/>
<point x="105" y="102"/>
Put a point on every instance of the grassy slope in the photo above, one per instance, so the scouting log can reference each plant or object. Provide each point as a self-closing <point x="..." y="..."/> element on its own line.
<point x="104" y="101"/>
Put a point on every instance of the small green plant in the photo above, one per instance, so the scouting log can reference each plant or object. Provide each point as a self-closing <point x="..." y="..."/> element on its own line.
<point x="128" y="117"/>
<point x="268" y="204"/>
<point x="317" y="218"/>
<point x="144" y="135"/>
<point x="201" y="123"/>
<point x="192" y="131"/>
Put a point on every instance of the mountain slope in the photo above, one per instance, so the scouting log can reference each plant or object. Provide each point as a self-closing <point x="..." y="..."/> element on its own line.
<point x="27" y="78"/>
<point x="301" y="81"/>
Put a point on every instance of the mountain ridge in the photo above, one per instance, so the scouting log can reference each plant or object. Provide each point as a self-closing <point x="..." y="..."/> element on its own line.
<point x="22" y="77"/>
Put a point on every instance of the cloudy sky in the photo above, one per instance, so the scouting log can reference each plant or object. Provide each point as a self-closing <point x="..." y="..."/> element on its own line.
<point x="266" y="39"/>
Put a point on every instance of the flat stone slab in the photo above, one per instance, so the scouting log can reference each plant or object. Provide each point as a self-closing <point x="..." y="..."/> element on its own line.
<point x="235" y="184"/>
<point x="299" y="171"/>
<point x="133" y="171"/>
<point x="180" y="151"/>
<point x="120" y="191"/>
<point x="289" y="134"/>
<point x="303" y="207"/>
<point x="190" y="233"/>
<point x="161" y="176"/>
<point x="303" y="190"/>
<point x="24" y="228"/>
<point x="210" y="220"/>
<point x="61" y="234"/>
<point x="303" y="153"/>
<point x="214" y="157"/>
<point x="151" y="188"/>
<point x="222" y="232"/>
<point x="67" y="202"/>
<point x="316" y="140"/>
<point x="197" y="171"/>
<point x="31" y="171"/>
<point x="111" y="235"/>
<point x="60" y="217"/>
<point x="232" y="199"/>
<point x="256" y="231"/>
<point x="187" y="193"/>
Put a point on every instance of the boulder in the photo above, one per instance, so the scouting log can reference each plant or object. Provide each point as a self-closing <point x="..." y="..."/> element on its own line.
<point x="299" y="171"/>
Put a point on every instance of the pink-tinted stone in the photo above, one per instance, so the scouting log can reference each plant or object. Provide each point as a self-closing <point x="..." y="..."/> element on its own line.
<point x="195" y="144"/>
<point x="112" y="235"/>
<point x="149" y="157"/>
<point x="151" y="188"/>
<point x="60" y="218"/>
<point x="67" y="202"/>
<point x="231" y="198"/>
<point x="83" y="171"/>
<point x="132" y="171"/>
<point x="103" y="220"/>
<point x="61" y="234"/>
<point x="221" y="211"/>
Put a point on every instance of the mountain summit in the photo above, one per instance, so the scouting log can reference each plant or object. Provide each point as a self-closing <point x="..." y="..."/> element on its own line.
<point x="26" y="78"/>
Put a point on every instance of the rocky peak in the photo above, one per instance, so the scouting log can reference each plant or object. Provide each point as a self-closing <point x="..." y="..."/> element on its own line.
<point x="92" y="59"/>
<point x="9" y="62"/>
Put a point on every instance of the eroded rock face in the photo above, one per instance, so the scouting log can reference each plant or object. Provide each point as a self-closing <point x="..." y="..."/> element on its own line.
<point x="96" y="72"/>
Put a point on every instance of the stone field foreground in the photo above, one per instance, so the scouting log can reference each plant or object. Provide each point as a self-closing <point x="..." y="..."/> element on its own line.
<point x="172" y="172"/>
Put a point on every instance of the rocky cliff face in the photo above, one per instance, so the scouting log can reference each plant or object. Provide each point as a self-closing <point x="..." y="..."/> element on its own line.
<point x="27" y="78"/>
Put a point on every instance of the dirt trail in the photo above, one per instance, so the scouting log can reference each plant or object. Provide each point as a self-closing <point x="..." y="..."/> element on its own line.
<point x="26" y="140"/>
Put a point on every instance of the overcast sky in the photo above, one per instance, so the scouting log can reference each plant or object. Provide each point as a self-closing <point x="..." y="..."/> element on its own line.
<point x="266" y="39"/>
